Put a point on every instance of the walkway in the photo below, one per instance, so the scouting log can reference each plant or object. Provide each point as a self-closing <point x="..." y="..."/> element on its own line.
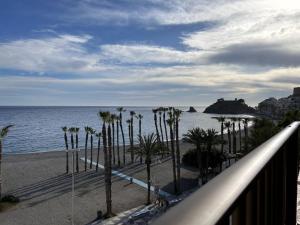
<point x="131" y="179"/>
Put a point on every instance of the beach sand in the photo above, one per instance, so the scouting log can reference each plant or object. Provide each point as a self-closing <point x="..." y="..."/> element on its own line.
<point x="39" y="180"/>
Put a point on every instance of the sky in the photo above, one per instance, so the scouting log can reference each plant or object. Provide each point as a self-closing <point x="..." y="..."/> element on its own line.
<point x="147" y="52"/>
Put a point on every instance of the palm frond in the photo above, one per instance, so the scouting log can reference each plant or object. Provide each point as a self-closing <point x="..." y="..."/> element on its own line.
<point x="4" y="131"/>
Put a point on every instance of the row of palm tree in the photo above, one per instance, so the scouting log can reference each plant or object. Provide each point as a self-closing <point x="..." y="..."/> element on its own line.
<point x="74" y="145"/>
<point x="90" y="132"/>
<point x="228" y="123"/>
<point x="173" y="122"/>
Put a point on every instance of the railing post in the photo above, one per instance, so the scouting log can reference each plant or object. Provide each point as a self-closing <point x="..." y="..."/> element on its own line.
<point x="268" y="195"/>
<point x="251" y="203"/>
<point x="291" y="179"/>
<point x="279" y="189"/>
<point x="239" y="213"/>
<point x="261" y="199"/>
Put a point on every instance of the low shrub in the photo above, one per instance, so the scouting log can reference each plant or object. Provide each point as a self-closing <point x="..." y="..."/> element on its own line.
<point x="10" y="199"/>
<point x="214" y="158"/>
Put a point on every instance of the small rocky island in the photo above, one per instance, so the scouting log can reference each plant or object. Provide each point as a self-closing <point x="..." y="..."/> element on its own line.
<point x="237" y="106"/>
<point x="192" y="109"/>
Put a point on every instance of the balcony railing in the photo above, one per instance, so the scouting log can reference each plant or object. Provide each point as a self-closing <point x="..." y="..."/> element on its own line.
<point x="260" y="189"/>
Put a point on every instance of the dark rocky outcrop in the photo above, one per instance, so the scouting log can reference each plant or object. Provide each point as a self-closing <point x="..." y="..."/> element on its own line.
<point x="237" y="106"/>
<point x="192" y="109"/>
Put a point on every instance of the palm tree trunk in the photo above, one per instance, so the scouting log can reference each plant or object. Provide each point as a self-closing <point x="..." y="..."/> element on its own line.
<point x="178" y="163"/>
<point x="98" y="153"/>
<point x="148" y="181"/>
<point x="156" y="128"/>
<point x="199" y="157"/>
<point x="229" y="140"/>
<point x="123" y="139"/>
<point x="222" y="143"/>
<point x="129" y="135"/>
<point x="77" y="159"/>
<point x="208" y="151"/>
<point x="240" y="136"/>
<point x="67" y="153"/>
<point x="72" y="141"/>
<point x="106" y="175"/>
<point x="85" y="151"/>
<point x="166" y="132"/>
<point x="140" y="135"/>
<point x="131" y="140"/>
<point x="118" y="145"/>
<point x="229" y="143"/>
<point x="173" y="159"/>
<point x="222" y="137"/>
<point x="246" y="137"/>
<point x="109" y="207"/>
<point x="161" y="130"/>
<point x="234" y="137"/>
<point x="91" y="159"/>
<point x="113" y="142"/>
<point x="0" y="170"/>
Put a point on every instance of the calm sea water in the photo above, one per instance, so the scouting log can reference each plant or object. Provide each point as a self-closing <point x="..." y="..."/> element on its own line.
<point x="38" y="129"/>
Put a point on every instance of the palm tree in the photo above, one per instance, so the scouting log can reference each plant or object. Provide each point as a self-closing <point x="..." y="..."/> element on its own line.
<point x="177" y="114"/>
<point x="105" y="119"/>
<point x="113" y="119"/>
<point x="98" y="135"/>
<point x="221" y="120"/>
<point x="246" y="123"/>
<point x="195" y="136"/>
<point x="87" y="131"/>
<point x="170" y="122"/>
<point x="210" y="139"/>
<point x="118" y="144"/>
<point x="165" y="125"/>
<point x="155" y="123"/>
<point x="160" y="110"/>
<point x="240" y="132"/>
<point x="120" y="110"/>
<point x="76" y="130"/>
<point x="109" y="121"/>
<point x="140" y="117"/>
<point x="129" y="135"/>
<point x="71" y="131"/>
<point x="233" y="120"/>
<point x="3" y="133"/>
<point x="148" y="149"/>
<point x="227" y="126"/>
<point x="65" y="130"/>
<point x="92" y="132"/>
<point x="132" y="113"/>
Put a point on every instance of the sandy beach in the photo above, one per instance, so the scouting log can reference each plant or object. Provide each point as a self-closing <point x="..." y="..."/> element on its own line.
<point x="39" y="180"/>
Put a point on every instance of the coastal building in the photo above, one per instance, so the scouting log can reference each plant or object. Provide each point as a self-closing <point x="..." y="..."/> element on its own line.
<point x="276" y="108"/>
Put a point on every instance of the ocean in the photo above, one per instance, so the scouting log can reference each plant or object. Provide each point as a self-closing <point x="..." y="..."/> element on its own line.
<point x="38" y="129"/>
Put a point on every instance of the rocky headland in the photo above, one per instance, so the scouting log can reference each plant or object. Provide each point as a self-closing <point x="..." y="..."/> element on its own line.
<point x="237" y="106"/>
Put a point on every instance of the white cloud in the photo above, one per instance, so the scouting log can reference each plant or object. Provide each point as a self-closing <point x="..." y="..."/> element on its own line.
<point x="62" y="53"/>
<point x="141" y="54"/>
